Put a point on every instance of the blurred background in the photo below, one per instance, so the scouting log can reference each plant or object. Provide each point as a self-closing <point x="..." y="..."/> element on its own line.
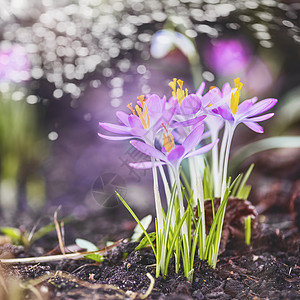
<point x="66" y="65"/>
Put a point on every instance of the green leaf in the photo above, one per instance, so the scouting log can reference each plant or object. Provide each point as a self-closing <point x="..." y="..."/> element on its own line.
<point x="138" y="231"/>
<point x="84" y="244"/>
<point x="137" y="220"/>
<point x="248" y="230"/>
<point x="276" y="142"/>
<point x="94" y="256"/>
<point x="13" y="233"/>
<point x="243" y="183"/>
<point x="145" y="242"/>
<point x="45" y="230"/>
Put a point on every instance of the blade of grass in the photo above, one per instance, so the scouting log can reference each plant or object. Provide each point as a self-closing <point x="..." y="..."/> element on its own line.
<point x="175" y="238"/>
<point x="246" y="177"/>
<point x="248" y="230"/>
<point x="137" y="220"/>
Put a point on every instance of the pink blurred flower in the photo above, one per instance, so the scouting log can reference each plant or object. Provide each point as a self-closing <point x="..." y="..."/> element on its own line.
<point x="14" y="63"/>
<point x="228" y="56"/>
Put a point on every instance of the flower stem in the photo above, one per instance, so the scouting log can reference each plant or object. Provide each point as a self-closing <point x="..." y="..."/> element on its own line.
<point x="225" y="167"/>
<point x="215" y="162"/>
<point x="221" y="164"/>
<point x="168" y="195"/>
<point x="181" y="208"/>
<point x="197" y="187"/>
<point x="158" y="206"/>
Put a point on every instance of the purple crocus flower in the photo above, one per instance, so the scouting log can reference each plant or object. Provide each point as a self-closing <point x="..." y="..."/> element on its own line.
<point x="228" y="56"/>
<point x="172" y="154"/>
<point x="247" y="112"/>
<point x="144" y="122"/>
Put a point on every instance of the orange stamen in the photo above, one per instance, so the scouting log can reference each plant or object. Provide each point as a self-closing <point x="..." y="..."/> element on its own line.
<point x="131" y="108"/>
<point x="168" y="139"/>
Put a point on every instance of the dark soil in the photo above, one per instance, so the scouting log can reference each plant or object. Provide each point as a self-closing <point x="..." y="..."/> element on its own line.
<point x="269" y="269"/>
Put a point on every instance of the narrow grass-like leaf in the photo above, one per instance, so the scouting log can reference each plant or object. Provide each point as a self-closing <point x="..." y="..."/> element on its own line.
<point x="46" y="229"/>
<point x="207" y="184"/>
<point x="244" y="193"/>
<point x="236" y="185"/>
<point x="246" y="177"/>
<point x="174" y="240"/>
<point x="137" y="220"/>
<point x="214" y="224"/>
<point x="194" y="245"/>
<point x="248" y="230"/>
<point x="185" y="257"/>
<point x="219" y="229"/>
<point x="185" y="181"/>
<point x="158" y="249"/>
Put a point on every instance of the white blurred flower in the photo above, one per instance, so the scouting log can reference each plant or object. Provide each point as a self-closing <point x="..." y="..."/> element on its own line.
<point x="165" y="40"/>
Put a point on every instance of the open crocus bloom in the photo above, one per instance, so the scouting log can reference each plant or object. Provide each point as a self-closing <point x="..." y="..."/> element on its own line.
<point x="172" y="154"/>
<point x="144" y="122"/>
<point x="246" y="112"/>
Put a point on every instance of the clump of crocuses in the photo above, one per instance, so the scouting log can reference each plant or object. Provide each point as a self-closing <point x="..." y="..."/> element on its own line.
<point x="187" y="126"/>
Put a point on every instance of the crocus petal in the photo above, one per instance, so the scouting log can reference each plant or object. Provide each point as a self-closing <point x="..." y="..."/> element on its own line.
<point x="148" y="150"/>
<point x="190" y="122"/>
<point x="175" y="154"/>
<point x="212" y="96"/>
<point x="193" y="138"/>
<point x="165" y="116"/>
<point x="205" y="135"/>
<point x="226" y="89"/>
<point x="115" y="128"/>
<point x="123" y="117"/>
<point x="224" y="111"/>
<point x="244" y="107"/>
<point x="203" y="149"/>
<point x="191" y="104"/>
<point x="135" y="122"/>
<point x="138" y="132"/>
<point x="262" y="106"/>
<point x="155" y="103"/>
<point x="201" y="89"/>
<point x="254" y="126"/>
<point x="146" y="164"/>
<point x="115" y="138"/>
<point x="253" y="100"/>
<point x="261" y="118"/>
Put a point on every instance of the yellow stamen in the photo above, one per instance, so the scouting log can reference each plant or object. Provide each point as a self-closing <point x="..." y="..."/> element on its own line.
<point x="180" y="83"/>
<point x="212" y="87"/>
<point x="141" y="98"/>
<point x="178" y="93"/>
<point x="234" y="101"/>
<point x="172" y="85"/>
<point x="168" y="140"/>
<point x="146" y="114"/>
<point x="131" y="108"/>
<point x="180" y="96"/>
<point x="140" y="114"/>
